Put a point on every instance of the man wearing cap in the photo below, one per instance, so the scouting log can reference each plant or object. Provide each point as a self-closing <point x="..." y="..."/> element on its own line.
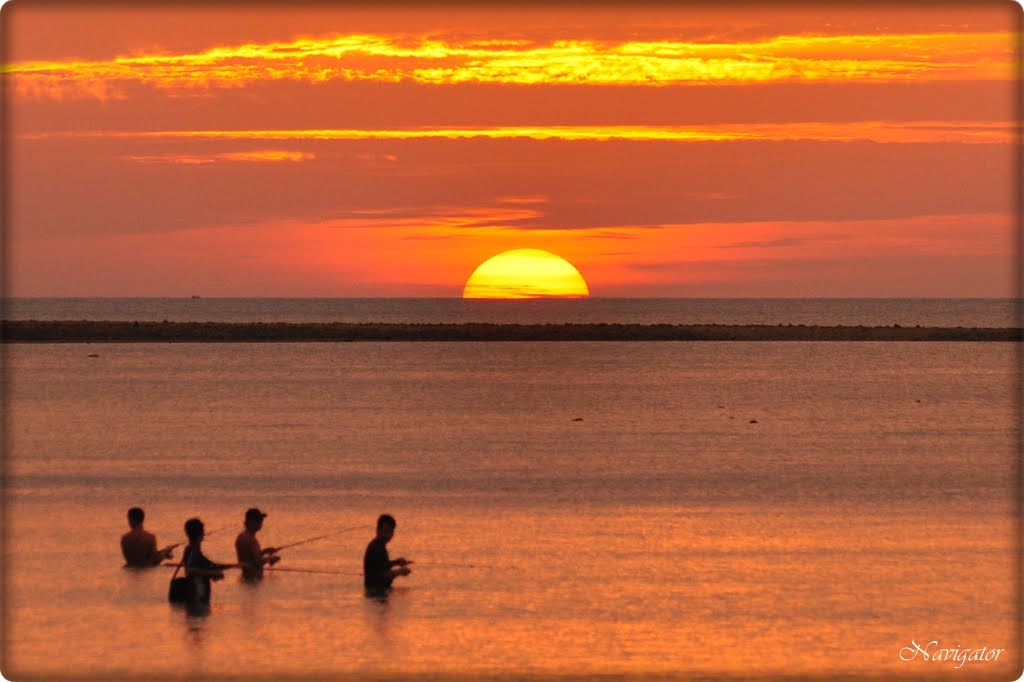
<point x="250" y="556"/>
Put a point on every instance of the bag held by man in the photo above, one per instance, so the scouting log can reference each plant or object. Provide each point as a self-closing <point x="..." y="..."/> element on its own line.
<point x="181" y="589"/>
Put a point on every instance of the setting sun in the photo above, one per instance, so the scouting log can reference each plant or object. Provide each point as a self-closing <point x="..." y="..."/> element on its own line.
<point x="525" y="273"/>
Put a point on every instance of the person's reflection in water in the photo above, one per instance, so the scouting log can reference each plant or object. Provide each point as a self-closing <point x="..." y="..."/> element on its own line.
<point x="195" y="623"/>
<point x="196" y="646"/>
<point x="385" y="613"/>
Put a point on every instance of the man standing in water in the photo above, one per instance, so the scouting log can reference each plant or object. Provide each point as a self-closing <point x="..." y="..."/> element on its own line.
<point x="250" y="556"/>
<point x="379" y="570"/>
<point x="198" y="568"/>
<point x="139" y="546"/>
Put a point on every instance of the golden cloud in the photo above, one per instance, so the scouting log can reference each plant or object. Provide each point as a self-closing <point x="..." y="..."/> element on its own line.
<point x="261" y="156"/>
<point x="940" y="56"/>
<point x="976" y="132"/>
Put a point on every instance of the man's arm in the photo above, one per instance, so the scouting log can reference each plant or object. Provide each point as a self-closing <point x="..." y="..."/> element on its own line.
<point x="203" y="567"/>
<point x="396" y="571"/>
<point x="270" y="555"/>
<point x="149" y="551"/>
<point x="397" y="567"/>
<point x="154" y="555"/>
<point x="249" y="553"/>
<point x="215" y="573"/>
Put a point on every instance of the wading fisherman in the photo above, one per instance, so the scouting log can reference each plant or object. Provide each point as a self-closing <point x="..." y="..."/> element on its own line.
<point x="139" y="546"/>
<point x="197" y="567"/>
<point x="379" y="570"/>
<point x="250" y="556"/>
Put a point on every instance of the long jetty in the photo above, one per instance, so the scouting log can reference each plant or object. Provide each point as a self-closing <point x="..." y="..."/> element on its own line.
<point x="90" y="331"/>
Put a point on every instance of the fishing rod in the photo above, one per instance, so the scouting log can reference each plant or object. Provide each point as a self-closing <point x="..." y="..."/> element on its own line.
<point x="289" y="570"/>
<point x="311" y="570"/>
<point x="317" y="537"/>
<point x="205" y="535"/>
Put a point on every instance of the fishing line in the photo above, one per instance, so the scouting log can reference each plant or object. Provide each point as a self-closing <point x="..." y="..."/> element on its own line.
<point x="319" y="537"/>
<point x="447" y="564"/>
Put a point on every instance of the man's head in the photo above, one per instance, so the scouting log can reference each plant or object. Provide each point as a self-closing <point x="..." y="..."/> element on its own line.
<point x="135" y="517"/>
<point x="386" y="527"/>
<point x="254" y="519"/>
<point x="194" y="529"/>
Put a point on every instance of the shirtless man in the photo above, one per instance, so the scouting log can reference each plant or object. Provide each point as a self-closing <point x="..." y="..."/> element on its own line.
<point x="138" y="546"/>
<point x="251" y="557"/>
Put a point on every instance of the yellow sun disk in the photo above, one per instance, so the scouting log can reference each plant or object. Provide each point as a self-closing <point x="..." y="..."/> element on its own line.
<point x="525" y="273"/>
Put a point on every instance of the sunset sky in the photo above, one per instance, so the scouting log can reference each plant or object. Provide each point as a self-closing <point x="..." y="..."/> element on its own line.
<point x="664" y="149"/>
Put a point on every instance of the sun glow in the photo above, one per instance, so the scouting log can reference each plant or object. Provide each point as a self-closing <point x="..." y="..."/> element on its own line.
<point x="525" y="273"/>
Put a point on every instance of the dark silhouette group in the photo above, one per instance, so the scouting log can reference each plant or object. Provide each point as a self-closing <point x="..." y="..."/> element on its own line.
<point x="139" y="548"/>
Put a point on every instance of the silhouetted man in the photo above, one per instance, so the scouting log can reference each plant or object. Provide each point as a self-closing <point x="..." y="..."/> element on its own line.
<point x="250" y="556"/>
<point x="379" y="570"/>
<point x="198" y="568"/>
<point x="139" y="546"/>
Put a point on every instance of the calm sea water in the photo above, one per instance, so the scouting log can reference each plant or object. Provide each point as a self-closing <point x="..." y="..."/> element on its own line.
<point x="817" y="311"/>
<point x="742" y="509"/>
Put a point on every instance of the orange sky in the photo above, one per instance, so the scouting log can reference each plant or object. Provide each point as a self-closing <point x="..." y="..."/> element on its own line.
<point x="664" y="150"/>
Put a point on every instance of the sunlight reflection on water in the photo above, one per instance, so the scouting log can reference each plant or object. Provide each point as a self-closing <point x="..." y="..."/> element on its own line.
<point x="656" y="535"/>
